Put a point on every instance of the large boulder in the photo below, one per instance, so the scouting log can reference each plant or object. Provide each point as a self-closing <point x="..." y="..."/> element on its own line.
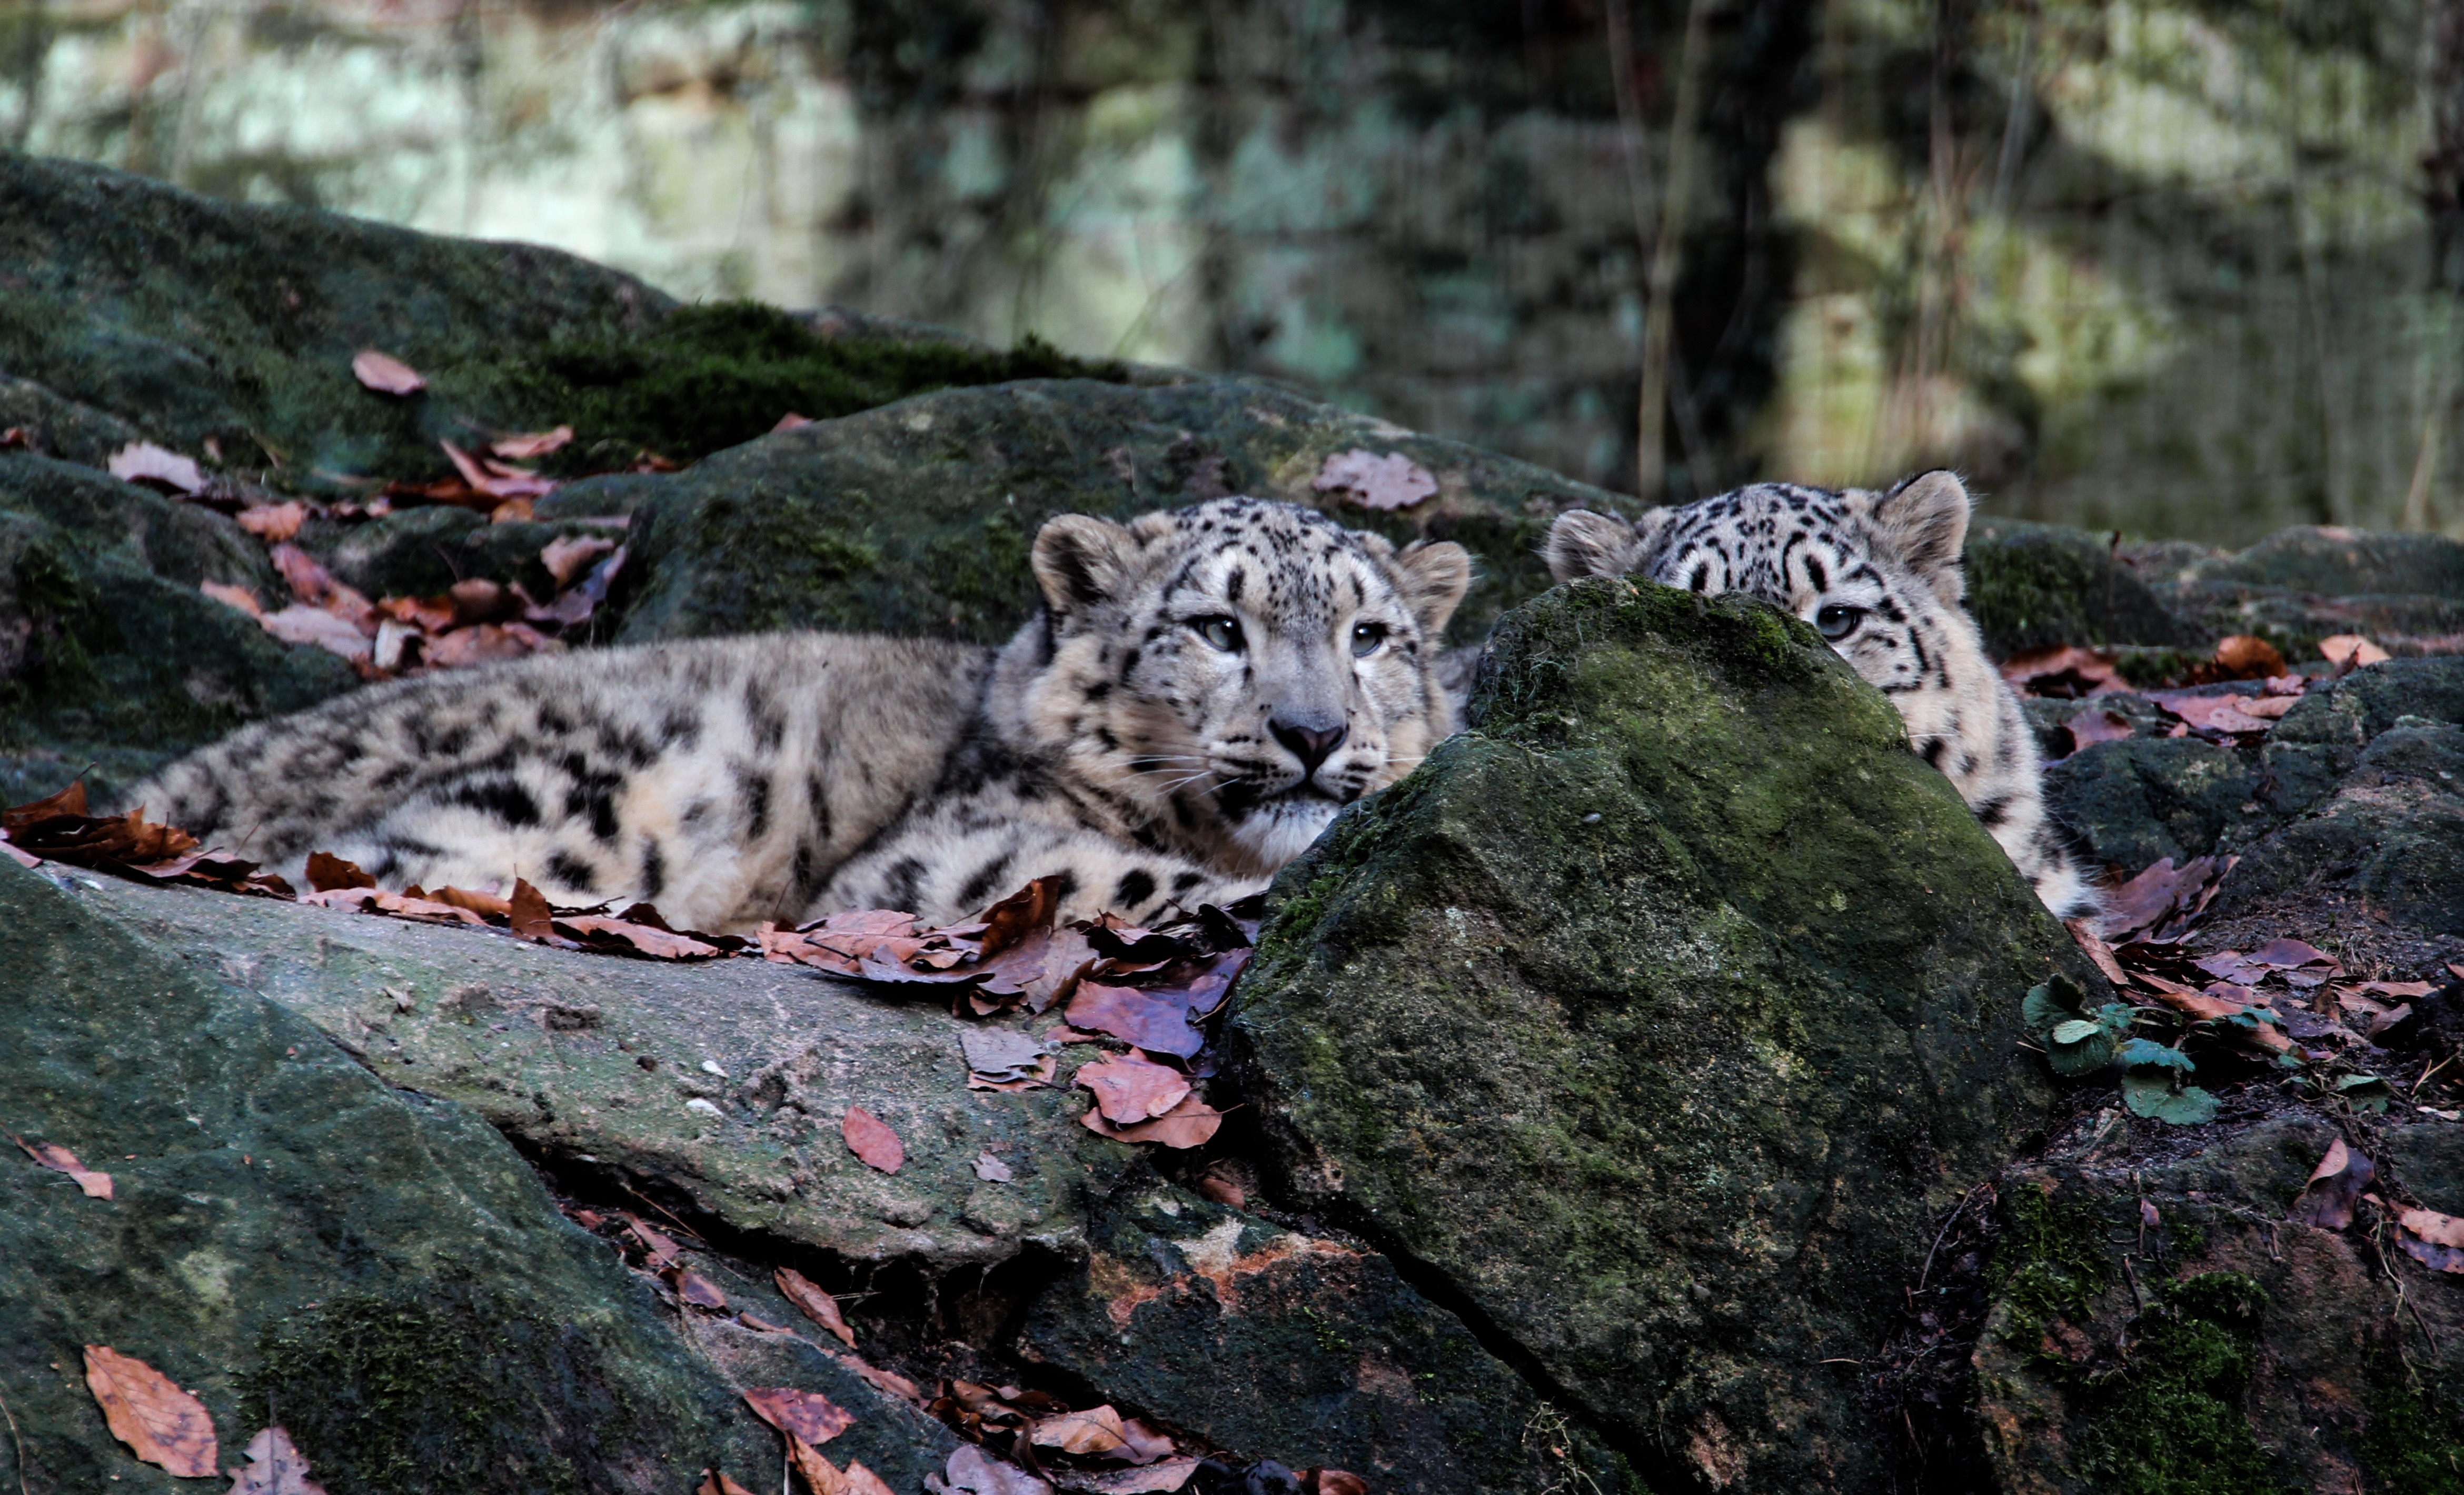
<point x="1659" y="1013"/>
<point x="292" y="1239"/>
<point x="916" y="518"/>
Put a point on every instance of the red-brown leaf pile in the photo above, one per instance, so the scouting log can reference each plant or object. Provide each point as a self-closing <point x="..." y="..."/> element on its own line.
<point x="637" y="931"/>
<point x="59" y="829"/>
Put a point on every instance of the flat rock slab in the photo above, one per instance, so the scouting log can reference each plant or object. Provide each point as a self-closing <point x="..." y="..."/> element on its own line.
<point x="1661" y="1013"/>
<point x="289" y="1238"/>
<point x="719" y="1086"/>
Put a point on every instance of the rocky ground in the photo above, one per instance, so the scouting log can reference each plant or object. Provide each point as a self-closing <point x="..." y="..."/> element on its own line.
<point x="1668" y="1086"/>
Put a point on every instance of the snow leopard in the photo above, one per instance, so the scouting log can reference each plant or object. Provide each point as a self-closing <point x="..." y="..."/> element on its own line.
<point x="1202" y="690"/>
<point x="1879" y="577"/>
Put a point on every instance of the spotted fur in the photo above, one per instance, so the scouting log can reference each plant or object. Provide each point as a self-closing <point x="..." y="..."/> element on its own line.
<point x="786" y="776"/>
<point x="1878" y="575"/>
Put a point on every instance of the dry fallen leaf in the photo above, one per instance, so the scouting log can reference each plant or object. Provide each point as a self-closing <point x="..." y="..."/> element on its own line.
<point x="275" y="1469"/>
<point x="2097" y="950"/>
<point x="2351" y="651"/>
<point x="240" y="597"/>
<point x="695" y="1288"/>
<point x="2090" y="728"/>
<point x="2063" y="672"/>
<point x="568" y="557"/>
<point x="869" y="1138"/>
<point x="59" y="1160"/>
<point x="661" y="1250"/>
<point x="527" y="445"/>
<point x="2434" y="1240"/>
<point x="143" y="462"/>
<point x="2249" y="656"/>
<point x="814" y="1303"/>
<point x="1134" y="1088"/>
<point x="1097" y="1430"/>
<point x="1188" y="1123"/>
<point x="991" y="1169"/>
<point x="825" y="1478"/>
<point x="160" y="1423"/>
<point x="713" y="1483"/>
<point x="1392" y="481"/>
<point x="970" y="1468"/>
<point x="1169" y="1474"/>
<point x="495" y="479"/>
<point x="1340" y="1481"/>
<point x="800" y="1413"/>
<point x="385" y="373"/>
<point x="326" y="872"/>
<point x="274" y="523"/>
<point x="2326" y="1201"/>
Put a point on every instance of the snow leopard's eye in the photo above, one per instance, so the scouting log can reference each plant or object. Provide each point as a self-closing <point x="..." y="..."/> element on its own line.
<point x="1223" y="634"/>
<point x="1366" y="637"/>
<point x="1837" y="620"/>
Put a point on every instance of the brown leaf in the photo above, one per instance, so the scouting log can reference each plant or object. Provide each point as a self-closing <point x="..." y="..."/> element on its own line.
<point x="695" y="1288"/>
<point x="1189" y="1123"/>
<point x="2098" y="951"/>
<point x="1223" y="1189"/>
<point x="275" y="1469"/>
<point x="800" y="1414"/>
<point x="489" y="641"/>
<point x="1169" y="1474"/>
<point x="2435" y="1240"/>
<point x="970" y="1468"/>
<point x="59" y="1160"/>
<point x="2249" y="656"/>
<point x="715" y="1482"/>
<point x="991" y="1169"/>
<point x="1134" y="1088"/>
<point x="2156" y="895"/>
<point x="1340" y="1481"/>
<point x="2351" y="651"/>
<point x="890" y="1381"/>
<point x="814" y="1303"/>
<point x="495" y="479"/>
<point x="568" y="557"/>
<point x="1384" y="483"/>
<point x="326" y="872"/>
<point x="861" y="1481"/>
<point x="2326" y="1201"/>
<point x="527" y="912"/>
<point x="2230" y="714"/>
<point x="160" y="1423"/>
<point x="869" y="1137"/>
<point x="2293" y="953"/>
<point x="300" y="624"/>
<point x="2089" y="728"/>
<point x="70" y="801"/>
<point x="661" y="1250"/>
<point x="527" y="445"/>
<point x="385" y="373"/>
<point x="1097" y="1430"/>
<point x="143" y="462"/>
<point x="2064" y="673"/>
<point x="240" y="597"/>
<point x="274" y="523"/>
<point x="592" y="932"/>
<point x="789" y="422"/>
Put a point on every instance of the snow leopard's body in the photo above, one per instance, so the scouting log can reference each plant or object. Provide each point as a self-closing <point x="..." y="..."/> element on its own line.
<point x="1204" y="689"/>
<point x="1879" y="576"/>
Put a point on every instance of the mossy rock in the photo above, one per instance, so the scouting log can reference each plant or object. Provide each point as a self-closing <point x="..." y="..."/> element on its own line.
<point x="916" y="519"/>
<point x="1312" y="1352"/>
<point x="226" y="330"/>
<point x="1659" y="1013"/>
<point x="289" y="1238"/>
<point x="2342" y="562"/>
<point x="2167" y="1331"/>
<point x="2038" y="585"/>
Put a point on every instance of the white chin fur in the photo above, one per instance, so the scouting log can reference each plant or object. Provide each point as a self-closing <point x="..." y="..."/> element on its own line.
<point x="1280" y="831"/>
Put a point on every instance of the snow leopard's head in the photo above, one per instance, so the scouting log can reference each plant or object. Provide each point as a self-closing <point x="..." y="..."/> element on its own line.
<point x="1232" y="674"/>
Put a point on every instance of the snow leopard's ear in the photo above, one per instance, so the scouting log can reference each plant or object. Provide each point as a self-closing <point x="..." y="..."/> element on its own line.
<point x="1079" y="560"/>
<point x="1922" y="523"/>
<point x="1584" y="543"/>
<point x="1432" y="576"/>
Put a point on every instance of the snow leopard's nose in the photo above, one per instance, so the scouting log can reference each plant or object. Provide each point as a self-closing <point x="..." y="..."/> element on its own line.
<point x="1311" y="738"/>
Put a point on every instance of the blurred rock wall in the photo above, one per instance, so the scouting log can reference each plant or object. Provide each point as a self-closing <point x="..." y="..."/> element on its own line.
<point x="2165" y="267"/>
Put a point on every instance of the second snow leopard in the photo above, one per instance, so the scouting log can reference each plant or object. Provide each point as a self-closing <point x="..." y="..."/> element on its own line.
<point x="1204" y="689"/>
<point x="1879" y="576"/>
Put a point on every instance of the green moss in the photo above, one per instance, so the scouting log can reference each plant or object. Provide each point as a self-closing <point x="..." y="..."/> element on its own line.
<point x="2414" y="1443"/>
<point x="2170" y="1421"/>
<point x="718" y="375"/>
<point x="455" y="1392"/>
<point x="2050" y="1265"/>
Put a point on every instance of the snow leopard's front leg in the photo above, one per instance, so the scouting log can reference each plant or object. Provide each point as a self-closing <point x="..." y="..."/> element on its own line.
<point x="948" y="866"/>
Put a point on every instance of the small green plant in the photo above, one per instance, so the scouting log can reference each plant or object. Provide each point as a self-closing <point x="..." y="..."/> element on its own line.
<point x="2076" y="1042"/>
<point x="2151" y="1084"/>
